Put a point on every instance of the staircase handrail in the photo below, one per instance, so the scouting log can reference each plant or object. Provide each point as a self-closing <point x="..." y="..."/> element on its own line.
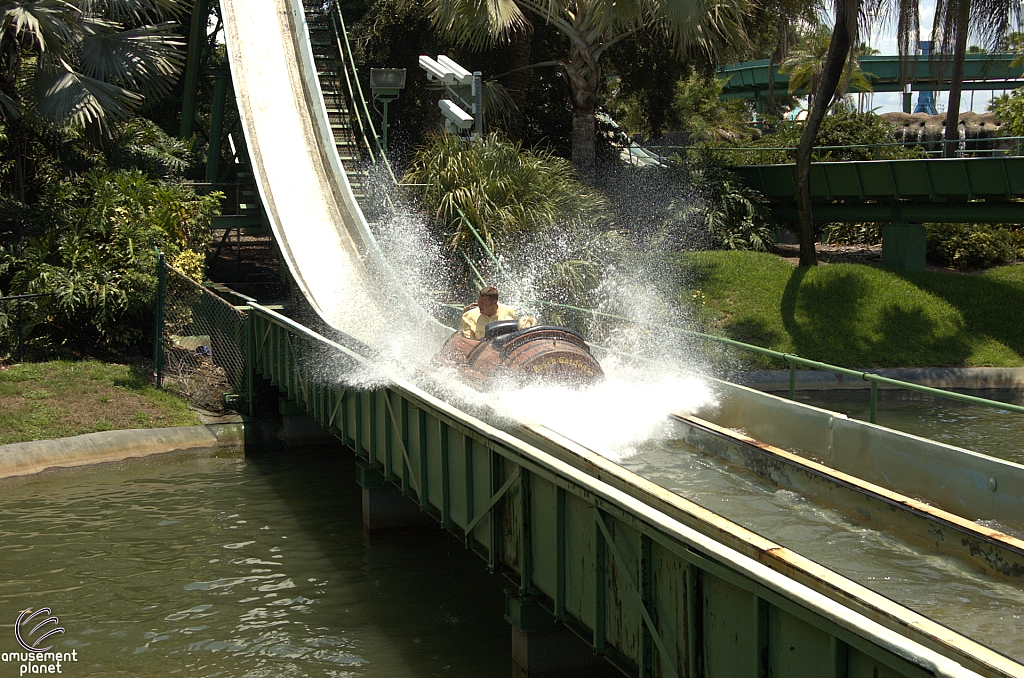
<point x="341" y="35"/>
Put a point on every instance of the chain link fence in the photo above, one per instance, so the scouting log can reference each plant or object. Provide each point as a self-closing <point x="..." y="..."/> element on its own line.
<point x="202" y="347"/>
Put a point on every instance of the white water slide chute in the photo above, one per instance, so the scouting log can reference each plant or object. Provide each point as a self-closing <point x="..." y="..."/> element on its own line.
<point x="319" y="227"/>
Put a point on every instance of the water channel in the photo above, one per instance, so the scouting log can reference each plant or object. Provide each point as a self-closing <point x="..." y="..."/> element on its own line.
<point x="229" y="565"/>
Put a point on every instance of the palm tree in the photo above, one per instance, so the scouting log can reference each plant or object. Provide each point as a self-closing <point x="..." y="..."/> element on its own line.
<point x="87" y="63"/>
<point x="806" y="63"/>
<point x="989" y="21"/>
<point x="591" y="27"/>
<point x="849" y="16"/>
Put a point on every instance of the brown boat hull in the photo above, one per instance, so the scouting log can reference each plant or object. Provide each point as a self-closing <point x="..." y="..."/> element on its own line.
<point x="540" y="354"/>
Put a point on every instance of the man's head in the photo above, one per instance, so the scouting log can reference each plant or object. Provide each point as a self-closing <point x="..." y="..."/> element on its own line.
<point x="487" y="300"/>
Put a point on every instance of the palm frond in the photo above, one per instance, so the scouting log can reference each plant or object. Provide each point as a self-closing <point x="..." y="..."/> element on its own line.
<point x="66" y="96"/>
<point x="148" y="59"/>
<point x="477" y="23"/>
<point x="11" y="108"/>
<point x="44" y="22"/>
<point x="134" y="12"/>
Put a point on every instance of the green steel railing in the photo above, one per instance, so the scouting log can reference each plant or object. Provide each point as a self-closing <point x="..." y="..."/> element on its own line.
<point x="875" y="149"/>
<point x="792" y="359"/>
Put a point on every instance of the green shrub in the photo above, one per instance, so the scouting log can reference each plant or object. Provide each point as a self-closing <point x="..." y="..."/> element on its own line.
<point x="853" y="234"/>
<point x="844" y="126"/>
<point x="973" y="245"/>
<point x="1009" y="108"/>
<point x="95" y="251"/>
<point x="498" y="188"/>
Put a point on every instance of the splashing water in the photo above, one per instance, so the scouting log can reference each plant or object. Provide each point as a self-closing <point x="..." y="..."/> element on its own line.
<point x="649" y="372"/>
<point x="614" y="417"/>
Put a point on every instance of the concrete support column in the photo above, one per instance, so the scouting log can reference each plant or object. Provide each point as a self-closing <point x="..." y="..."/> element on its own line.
<point x="541" y="648"/>
<point x="903" y="247"/>
<point x="384" y="505"/>
<point x="298" y="429"/>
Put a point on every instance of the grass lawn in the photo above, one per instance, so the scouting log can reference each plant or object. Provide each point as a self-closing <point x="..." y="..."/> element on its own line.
<point x="58" y="399"/>
<point x="858" y="316"/>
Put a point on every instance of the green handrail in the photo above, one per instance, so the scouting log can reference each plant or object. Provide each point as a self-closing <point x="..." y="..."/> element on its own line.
<point x="343" y="34"/>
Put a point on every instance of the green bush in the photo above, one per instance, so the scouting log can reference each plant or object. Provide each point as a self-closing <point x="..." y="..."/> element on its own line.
<point x="973" y="245"/>
<point x="94" y="249"/>
<point x="498" y="188"/>
<point x="853" y="234"/>
<point x="1009" y="108"/>
<point x="844" y="126"/>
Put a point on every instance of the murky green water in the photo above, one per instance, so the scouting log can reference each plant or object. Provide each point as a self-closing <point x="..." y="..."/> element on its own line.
<point x="227" y="566"/>
<point x="986" y="608"/>
<point x="995" y="432"/>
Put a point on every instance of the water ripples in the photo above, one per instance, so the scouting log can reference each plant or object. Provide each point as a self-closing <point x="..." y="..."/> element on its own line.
<point x="222" y="566"/>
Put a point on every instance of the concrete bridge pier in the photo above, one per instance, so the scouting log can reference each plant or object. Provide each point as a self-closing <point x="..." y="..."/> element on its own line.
<point x="384" y="505"/>
<point x="543" y="648"/>
<point x="903" y="247"/>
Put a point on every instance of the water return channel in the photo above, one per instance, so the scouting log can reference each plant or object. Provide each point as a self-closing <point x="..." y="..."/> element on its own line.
<point x="258" y="565"/>
<point x="986" y="608"/>
<point x="240" y="566"/>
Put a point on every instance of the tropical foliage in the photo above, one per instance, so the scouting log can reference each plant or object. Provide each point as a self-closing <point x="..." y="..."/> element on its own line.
<point x="499" y="189"/>
<point x="591" y="29"/>
<point x="733" y="214"/>
<point x="95" y="251"/>
<point x="84" y="64"/>
<point x="843" y="127"/>
<point x="1010" y="109"/>
<point x="973" y="245"/>
<point x="806" y="63"/>
<point x="695" y="108"/>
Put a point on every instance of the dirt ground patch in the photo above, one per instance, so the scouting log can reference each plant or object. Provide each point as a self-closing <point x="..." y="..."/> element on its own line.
<point x="869" y="255"/>
<point x="58" y="399"/>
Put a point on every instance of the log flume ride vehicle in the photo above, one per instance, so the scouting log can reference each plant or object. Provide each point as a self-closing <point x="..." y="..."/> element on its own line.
<point x="541" y="354"/>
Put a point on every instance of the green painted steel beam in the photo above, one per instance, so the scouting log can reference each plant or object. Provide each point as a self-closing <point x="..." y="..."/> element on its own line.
<point x="193" y="59"/>
<point x="749" y="80"/>
<point x="905" y="212"/>
<point x="912" y="191"/>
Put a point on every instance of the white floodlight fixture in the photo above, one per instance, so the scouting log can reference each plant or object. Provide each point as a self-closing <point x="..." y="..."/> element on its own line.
<point x="436" y="71"/>
<point x="455" y="115"/>
<point x="462" y="76"/>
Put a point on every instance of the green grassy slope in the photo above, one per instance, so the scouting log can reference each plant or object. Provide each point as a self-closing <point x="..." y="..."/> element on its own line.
<point x="858" y="316"/>
<point x="57" y="399"/>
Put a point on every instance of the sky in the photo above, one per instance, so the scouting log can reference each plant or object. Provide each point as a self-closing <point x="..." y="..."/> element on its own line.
<point x="883" y="38"/>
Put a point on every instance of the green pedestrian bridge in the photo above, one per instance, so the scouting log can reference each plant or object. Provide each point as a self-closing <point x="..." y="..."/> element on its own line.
<point x="647" y="582"/>
<point x="901" y="193"/>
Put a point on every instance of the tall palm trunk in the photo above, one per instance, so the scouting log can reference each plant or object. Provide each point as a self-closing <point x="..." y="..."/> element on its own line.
<point x="843" y="36"/>
<point x="584" y="80"/>
<point x="956" y="80"/>
<point x="516" y="83"/>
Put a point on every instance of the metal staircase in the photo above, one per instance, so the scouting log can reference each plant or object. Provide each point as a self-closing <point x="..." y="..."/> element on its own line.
<point x="336" y="73"/>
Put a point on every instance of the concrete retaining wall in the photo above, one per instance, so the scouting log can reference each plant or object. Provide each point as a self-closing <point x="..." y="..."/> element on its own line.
<point x="20" y="459"/>
<point x="968" y="484"/>
<point x="936" y="377"/>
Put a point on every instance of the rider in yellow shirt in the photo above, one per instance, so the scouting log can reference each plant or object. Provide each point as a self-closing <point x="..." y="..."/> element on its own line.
<point x="485" y="310"/>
